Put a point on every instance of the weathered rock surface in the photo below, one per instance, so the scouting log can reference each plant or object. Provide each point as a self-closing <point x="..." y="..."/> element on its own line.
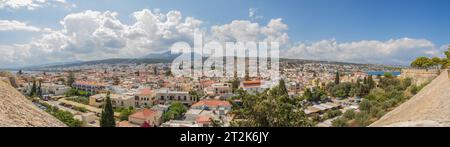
<point x="17" y="111"/>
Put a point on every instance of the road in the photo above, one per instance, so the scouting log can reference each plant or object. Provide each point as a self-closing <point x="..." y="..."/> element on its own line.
<point x="89" y="108"/>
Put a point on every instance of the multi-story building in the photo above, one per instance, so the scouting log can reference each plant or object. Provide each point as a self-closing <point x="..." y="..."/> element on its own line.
<point x="144" y="97"/>
<point x="222" y="90"/>
<point x="49" y="89"/>
<point x="168" y="96"/>
<point x="89" y="86"/>
<point x="117" y="100"/>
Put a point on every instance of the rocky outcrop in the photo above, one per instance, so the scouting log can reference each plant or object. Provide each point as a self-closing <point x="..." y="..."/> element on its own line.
<point x="9" y="78"/>
<point x="428" y="108"/>
<point x="17" y="111"/>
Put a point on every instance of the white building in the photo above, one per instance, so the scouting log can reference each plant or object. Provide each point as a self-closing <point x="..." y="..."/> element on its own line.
<point x="222" y="90"/>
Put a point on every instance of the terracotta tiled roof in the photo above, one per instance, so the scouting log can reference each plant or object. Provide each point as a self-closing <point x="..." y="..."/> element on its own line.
<point x="92" y="83"/>
<point x="203" y="119"/>
<point x="251" y="84"/>
<point x="145" y="91"/>
<point x="143" y="114"/>
<point x="211" y="103"/>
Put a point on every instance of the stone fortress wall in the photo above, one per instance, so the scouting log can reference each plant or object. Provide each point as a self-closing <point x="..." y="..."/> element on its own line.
<point x="420" y="76"/>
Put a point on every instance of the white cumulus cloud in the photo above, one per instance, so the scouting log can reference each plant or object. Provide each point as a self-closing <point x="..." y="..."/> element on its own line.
<point x="394" y="51"/>
<point x="14" y="25"/>
<point x="33" y="4"/>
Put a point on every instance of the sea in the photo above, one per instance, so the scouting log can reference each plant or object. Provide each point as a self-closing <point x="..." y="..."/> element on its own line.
<point x="374" y="73"/>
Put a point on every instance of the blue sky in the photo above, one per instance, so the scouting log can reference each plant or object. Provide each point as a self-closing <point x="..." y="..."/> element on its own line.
<point x="311" y="23"/>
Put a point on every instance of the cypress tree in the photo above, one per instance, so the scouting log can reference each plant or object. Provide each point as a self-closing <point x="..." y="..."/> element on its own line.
<point x="336" y="79"/>
<point x="33" y="88"/>
<point x="107" y="118"/>
<point x="282" y="86"/>
<point x="70" y="79"/>
<point x="371" y="82"/>
<point x="39" y="90"/>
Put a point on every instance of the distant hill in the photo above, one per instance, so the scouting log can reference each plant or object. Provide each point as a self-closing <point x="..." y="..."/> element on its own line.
<point x="163" y="56"/>
<point x="105" y="61"/>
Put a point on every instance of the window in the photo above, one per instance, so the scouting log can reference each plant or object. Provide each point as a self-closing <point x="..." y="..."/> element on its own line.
<point x="185" y="98"/>
<point x="136" y="98"/>
<point x="162" y="97"/>
<point x="179" y="97"/>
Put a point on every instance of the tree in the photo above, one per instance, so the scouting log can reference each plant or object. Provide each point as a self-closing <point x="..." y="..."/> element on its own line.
<point x="314" y="94"/>
<point x="20" y="72"/>
<point x="282" y="87"/>
<point x="436" y="61"/>
<point x="39" y="89"/>
<point x="176" y="110"/>
<point x="349" y="114"/>
<point x="270" y="108"/>
<point x="107" y="117"/>
<point x="33" y="88"/>
<point x="234" y="84"/>
<point x="125" y="113"/>
<point x="71" y="79"/>
<point x="215" y="123"/>
<point x="331" y="114"/>
<point x="422" y="62"/>
<point x="371" y="83"/>
<point x="388" y="75"/>
<point x="339" y="122"/>
<point x="194" y="94"/>
<point x="447" y="53"/>
<point x="336" y="78"/>
<point x="62" y="80"/>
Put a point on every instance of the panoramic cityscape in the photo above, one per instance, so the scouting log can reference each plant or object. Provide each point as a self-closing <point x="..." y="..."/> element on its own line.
<point x="175" y="63"/>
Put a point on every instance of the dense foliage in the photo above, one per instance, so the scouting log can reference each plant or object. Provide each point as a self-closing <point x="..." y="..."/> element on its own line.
<point x="425" y="62"/>
<point x="271" y="108"/>
<point x="389" y="93"/>
<point x="64" y="116"/>
<point x="176" y="111"/>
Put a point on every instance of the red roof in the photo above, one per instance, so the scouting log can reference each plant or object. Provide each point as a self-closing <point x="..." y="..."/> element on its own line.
<point x="91" y="83"/>
<point x="211" y="103"/>
<point x="251" y="84"/>
<point x="145" y="91"/>
<point x="208" y="83"/>
<point x="143" y="114"/>
<point x="203" y="119"/>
